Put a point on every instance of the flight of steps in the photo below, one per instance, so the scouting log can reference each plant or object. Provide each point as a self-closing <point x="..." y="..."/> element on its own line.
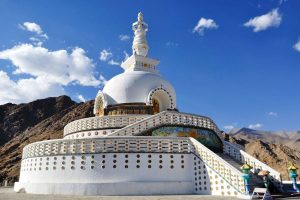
<point x="255" y="181"/>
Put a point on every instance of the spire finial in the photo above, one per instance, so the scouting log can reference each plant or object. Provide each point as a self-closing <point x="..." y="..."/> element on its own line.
<point x="140" y="45"/>
<point x="140" y="17"/>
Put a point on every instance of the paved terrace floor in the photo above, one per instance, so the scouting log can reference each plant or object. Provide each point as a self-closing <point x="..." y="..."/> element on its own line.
<point x="7" y="193"/>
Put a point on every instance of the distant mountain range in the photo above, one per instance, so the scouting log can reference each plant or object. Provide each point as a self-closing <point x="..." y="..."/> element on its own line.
<point x="275" y="148"/>
<point x="45" y="119"/>
<point x="288" y="138"/>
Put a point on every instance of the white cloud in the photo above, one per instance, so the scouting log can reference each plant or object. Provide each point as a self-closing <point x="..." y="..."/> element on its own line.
<point x="81" y="98"/>
<point x="255" y="126"/>
<point x="172" y="44"/>
<point x="26" y="90"/>
<point x="281" y="1"/>
<point x="54" y="66"/>
<point x="229" y="127"/>
<point x="49" y="72"/>
<point x="263" y="22"/>
<point x="105" y="55"/>
<point x="126" y="55"/>
<point x="124" y="37"/>
<point x="273" y="114"/>
<point x="33" y="27"/>
<point x="113" y="62"/>
<point x="36" y="41"/>
<point x="297" y="46"/>
<point x="102" y="79"/>
<point x="204" y="24"/>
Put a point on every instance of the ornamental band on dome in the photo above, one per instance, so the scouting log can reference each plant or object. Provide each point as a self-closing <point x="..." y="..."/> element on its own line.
<point x="138" y="143"/>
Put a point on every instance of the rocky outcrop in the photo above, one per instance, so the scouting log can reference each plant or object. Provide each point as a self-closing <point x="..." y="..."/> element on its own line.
<point x="276" y="155"/>
<point x="287" y="138"/>
<point x="27" y="123"/>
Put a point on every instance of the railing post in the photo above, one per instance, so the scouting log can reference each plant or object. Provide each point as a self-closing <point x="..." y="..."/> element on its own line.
<point x="246" y="169"/>
<point x="293" y="175"/>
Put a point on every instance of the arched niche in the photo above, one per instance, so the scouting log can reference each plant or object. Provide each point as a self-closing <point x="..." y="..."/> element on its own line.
<point x="162" y="98"/>
<point x="100" y="104"/>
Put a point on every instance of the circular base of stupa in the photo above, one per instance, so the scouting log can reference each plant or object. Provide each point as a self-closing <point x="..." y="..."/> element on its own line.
<point x="107" y="189"/>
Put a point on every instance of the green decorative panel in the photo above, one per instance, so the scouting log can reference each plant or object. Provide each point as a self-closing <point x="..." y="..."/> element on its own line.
<point x="207" y="137"/>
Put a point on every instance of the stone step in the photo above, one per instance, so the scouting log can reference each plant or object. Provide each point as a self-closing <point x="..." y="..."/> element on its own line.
<point x="255" y="181"/>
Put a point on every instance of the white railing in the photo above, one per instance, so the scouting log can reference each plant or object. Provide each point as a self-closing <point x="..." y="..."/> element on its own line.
<point x="140" y="144"/>
<point x="232" y="175"/>
<point x="240" y="155"/>
<point x="134" y="124"/>
<point x="165" y="118"/>
<point x="93" y="123"/>
<point x="107" y="145"/>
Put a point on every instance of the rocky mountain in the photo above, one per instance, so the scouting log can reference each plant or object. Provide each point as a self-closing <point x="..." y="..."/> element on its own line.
<point x="287" y="138"/>
<point x="35" y="121"/>
<point x="45" y="119"/>
<point x="276" y="155"/>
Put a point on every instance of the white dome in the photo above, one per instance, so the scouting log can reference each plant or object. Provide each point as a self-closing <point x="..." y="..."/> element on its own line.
<point x="139" y="87"/>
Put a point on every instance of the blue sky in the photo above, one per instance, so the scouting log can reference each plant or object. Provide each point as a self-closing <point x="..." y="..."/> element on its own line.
<point x="239" y="66"/>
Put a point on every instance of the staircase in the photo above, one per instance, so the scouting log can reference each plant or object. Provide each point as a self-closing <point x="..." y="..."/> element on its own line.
<point x="238" y="155"/>
<point x="230" y="160"/>
<point x="255" y="181"/>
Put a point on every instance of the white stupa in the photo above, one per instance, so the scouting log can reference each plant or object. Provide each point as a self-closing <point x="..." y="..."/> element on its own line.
<point x="138" y="143"/>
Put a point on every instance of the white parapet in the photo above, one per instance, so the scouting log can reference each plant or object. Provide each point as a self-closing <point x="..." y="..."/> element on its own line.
<point x="103" y="166"/>
<point x="240" y="155"/>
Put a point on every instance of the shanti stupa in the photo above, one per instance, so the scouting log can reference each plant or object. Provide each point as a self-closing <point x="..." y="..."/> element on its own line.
<point x="138" y="143"/>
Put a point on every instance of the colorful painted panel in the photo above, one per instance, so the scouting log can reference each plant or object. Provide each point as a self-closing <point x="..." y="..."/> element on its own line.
<point x="206" y="137"/>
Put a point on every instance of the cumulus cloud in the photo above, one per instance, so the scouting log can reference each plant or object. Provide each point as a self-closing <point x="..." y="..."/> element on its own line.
<point x="263" y="22"/>
<point x="49" y="72"/>
<point x="56" y="66"/>
<point x="105" y="55"/>
<point x="102" y="79"/>
<point x="25" y="90"/>
<point x="204" y="24"/>
<point x="272" y="114"/>
<point x="255" y="126"/>
<point x="297" y="46"/>
<point x="113" y="62"/>
<point x="124" y="37"/>
<point x="81" y="98"/>
<point x="40" y="36"/>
